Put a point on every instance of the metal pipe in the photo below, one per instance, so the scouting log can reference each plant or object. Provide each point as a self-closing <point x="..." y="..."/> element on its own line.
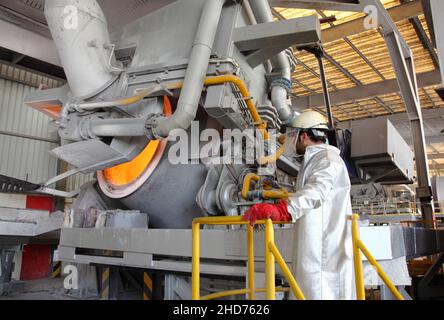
<point x="249" y="11"/>
<point x="266" y="194"/>
<point x="261" y="125"/>
<point x="281" y="86"/>
<point x="279" y="96"/>
<point x="124" y="127"/>
<point x="250" y="246"/>
<point x="120" y="102"/>
<point x="197" y="67"/>
<point x="218" y="295"/>
<point x="84" y="46"/>
<point x="270" y="268"/>
<point x="247" y="182"/>
<point x="325" y="91"/>
<point x="276" y="194"/>
<point x="137" y="127"/>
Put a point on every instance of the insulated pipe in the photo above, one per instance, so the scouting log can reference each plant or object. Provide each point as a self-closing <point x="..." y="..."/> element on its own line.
<point x="80" y="33"/>
<point x="280" y="87"/>
<point x="126" y="127"/>
<point x="197" y="68"/>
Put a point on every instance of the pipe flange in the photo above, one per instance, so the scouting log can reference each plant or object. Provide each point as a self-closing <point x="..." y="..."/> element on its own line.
<point x="151" y="124"/>
<point x="281" y="82"/>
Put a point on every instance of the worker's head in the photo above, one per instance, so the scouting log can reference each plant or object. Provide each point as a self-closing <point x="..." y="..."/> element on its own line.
<point x="309" y="128"/>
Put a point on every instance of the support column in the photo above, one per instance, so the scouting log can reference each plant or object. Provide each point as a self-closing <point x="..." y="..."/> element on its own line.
<point x="403" y="64"/>
<point x="406" y="76"/>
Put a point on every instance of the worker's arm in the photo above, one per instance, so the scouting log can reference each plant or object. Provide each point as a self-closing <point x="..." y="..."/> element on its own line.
<point x="318" y="185"/>
<point x="316" y="190"/>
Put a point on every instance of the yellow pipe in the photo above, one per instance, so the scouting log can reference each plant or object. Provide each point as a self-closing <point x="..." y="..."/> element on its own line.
<point x="272" y="158"/>
<point x="381" y="272"/>
<point x="227" y="293"/>
<point x="241" y="222"/>
<point x="195" y="262"/>
<point x="210" y="81"/>
<point x="276" y="194"/>
<point x="260" y="124"/>
<point x="287" y="273"/>
<point x="250" y="246"/>
<point x="269" y="262"/>
<point x="247" y="182"/>
<point x="221" y="219"/>
<point x="267" y="194"/>
<point x="359" y="274"/>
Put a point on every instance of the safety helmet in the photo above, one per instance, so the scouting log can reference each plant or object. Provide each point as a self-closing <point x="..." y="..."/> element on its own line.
<point x="310" y="119"/>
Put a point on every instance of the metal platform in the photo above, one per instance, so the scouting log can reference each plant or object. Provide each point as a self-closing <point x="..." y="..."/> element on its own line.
<point x="223" y="251"/>
<point x="19" y="227"/>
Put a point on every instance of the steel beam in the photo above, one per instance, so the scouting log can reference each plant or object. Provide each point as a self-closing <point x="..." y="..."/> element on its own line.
<point x="404" y="68"/>
<point x="436" y="156"/>
<point x="429" y="139"/>
<point x="437" y="10"/>
<point x="28" y="43"/>
<point x="425" y="41"/>
<point x="425" y="79"/>
<point x="338" y="5"/>
<point x="398" y="13"/>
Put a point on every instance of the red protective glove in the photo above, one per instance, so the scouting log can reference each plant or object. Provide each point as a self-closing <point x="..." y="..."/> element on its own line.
<point x="263" y="211"/>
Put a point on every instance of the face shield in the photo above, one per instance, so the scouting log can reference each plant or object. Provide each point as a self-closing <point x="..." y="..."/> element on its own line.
<point x="291" y="139"/>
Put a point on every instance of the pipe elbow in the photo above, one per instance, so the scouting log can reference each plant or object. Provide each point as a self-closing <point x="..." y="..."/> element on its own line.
<point x="279" y="101"/>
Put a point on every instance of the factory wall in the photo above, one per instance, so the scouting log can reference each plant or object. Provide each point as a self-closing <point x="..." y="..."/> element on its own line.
<point x="26" y="135"/>
<point x="25" y="138"/>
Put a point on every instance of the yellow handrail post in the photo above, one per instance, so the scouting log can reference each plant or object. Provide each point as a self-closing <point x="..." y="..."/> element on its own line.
<point x="195" y="262"/>
<point x="270" y="284"/>
<point x="287" y="273"/>
<point x="359" y="274"/>
<point x="270" y="272"/>
<point x="381" y="272"/>
<point x="250" y="245"/>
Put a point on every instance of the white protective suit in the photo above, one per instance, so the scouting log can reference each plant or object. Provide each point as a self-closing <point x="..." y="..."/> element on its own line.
<point x="323" y="253"/>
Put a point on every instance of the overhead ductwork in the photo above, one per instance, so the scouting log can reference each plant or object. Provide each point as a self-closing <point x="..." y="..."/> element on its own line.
<point x="80" y="33"/>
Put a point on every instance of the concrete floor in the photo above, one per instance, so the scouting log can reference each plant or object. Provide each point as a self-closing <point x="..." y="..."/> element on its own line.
<point x="52" y="289"/>
<point x="45" y="289"/>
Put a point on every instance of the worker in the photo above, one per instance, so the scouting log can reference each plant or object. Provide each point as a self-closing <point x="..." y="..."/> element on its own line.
<point x="323" y="254"/>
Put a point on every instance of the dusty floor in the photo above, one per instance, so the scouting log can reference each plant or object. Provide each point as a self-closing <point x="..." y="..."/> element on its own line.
<point x="52" y="289"/>
<point x="45" y="289"/>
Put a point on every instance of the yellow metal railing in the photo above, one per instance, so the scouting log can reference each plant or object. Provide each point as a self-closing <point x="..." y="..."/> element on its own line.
<point x="359" y="246"/>
<point x="272" y="256"/>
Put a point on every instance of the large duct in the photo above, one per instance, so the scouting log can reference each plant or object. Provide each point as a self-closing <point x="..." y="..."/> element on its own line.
<point x="281" y="85"/>
<point x="196" y="71"/>
<point x="80" y="33"/>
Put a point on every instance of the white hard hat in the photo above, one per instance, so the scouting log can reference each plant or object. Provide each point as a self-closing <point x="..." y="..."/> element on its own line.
<point x="310" y="119"/>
